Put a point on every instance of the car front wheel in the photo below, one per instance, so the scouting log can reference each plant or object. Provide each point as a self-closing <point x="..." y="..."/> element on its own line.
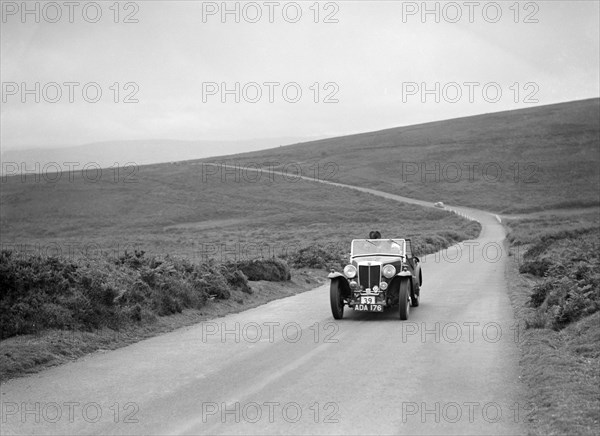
<point x="337" y="302"/>
<point x="404" y="299"/>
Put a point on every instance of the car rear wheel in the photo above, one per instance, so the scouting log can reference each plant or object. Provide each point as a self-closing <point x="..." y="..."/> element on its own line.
<point x="404" y="299"/>
<point x="337" y="302"/>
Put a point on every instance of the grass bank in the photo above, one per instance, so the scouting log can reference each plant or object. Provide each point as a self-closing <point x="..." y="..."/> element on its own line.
<point x="554" y="278"/>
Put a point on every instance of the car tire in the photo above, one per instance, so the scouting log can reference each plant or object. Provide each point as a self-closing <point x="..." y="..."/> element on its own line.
<point x="336" y="299"/>
<point x="404" y="300"/>
<point x="415" y="296"/>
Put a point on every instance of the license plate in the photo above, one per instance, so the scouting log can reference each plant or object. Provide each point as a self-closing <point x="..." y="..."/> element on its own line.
<point x="369" y="307"/>
<point x="367" y="300"/>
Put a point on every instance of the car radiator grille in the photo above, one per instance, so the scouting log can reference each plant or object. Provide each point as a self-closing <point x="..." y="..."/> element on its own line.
<point x="368" y="276"/>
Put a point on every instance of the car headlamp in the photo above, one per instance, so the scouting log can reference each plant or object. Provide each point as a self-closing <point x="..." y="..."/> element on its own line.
<point x="383" y="286"/>
<point x="389" y="271"/>
<point x="350" y="271"/>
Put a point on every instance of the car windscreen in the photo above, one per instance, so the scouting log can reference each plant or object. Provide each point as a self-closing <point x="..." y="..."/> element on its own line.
<point x="361" y="247"/>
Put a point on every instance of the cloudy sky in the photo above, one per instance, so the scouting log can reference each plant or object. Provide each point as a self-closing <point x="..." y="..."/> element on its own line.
<point x="370" y="60"/>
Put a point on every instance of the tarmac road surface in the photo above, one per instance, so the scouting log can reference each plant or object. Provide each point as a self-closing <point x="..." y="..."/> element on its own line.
<point x="288" y="368"/>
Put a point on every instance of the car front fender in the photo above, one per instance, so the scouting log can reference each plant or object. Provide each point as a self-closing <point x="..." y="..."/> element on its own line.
<point x="404" y="274"/>
<point x="335" y="275"/>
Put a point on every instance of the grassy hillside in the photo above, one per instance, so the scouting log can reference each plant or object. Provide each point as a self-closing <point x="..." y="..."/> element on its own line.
<point x="172" y="209"/>
<point x="531" y="159"/>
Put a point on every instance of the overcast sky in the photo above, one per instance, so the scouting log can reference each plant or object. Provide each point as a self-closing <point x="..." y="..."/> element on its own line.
<point x="365" y="61"/>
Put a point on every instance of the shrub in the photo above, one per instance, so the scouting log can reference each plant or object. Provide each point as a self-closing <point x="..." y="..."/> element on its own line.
<point x="217" y="288"/>
<point x="538" y="267"/>
<point x="135" y="260"/>
<point x="571" y="289"/>
<point x="273" y="270"/>
<point x="318" y="257"/>
<point x="538" y="320"/>
<point x="237" y="279"/>
<point x="48" y="292"/>
<point x="539" y="293"/>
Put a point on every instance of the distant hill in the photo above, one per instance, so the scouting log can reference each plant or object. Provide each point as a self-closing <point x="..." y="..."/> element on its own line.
<point x="528" y="159"/>
<point x="142" y="152"/>
<point x="188" y="209"/>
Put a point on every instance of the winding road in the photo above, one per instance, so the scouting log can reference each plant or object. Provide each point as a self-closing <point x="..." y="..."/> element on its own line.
<point x="287" y="368"/>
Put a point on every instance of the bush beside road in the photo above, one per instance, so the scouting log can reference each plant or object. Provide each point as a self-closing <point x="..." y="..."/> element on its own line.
<point x="54" y="308"/>
<point x="554" y="287"/>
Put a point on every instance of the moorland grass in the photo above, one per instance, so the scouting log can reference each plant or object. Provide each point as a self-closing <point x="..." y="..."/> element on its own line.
<point x="525" y="160"/>
<point x="172" y="210"/>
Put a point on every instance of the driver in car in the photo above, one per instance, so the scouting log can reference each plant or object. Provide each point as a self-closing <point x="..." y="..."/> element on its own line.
<point x="374" y="234"/>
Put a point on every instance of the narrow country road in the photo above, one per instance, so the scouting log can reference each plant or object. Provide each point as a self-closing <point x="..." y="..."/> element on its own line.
<point x="288" y="368"/>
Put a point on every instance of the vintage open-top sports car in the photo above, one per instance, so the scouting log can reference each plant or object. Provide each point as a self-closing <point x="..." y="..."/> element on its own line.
<point x="382" y="273"/>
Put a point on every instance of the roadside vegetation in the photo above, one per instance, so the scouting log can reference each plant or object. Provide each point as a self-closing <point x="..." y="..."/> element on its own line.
<point x="46" y="298"/>
<point x="48" y="292"/>
<point x="555" y="287"/>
